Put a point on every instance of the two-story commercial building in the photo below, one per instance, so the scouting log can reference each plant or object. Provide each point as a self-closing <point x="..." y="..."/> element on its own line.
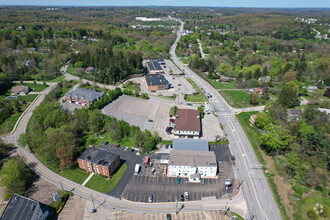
<point x="83" y="96"/>
<point x="99" y="161"/>
<point x="187" y="124"/>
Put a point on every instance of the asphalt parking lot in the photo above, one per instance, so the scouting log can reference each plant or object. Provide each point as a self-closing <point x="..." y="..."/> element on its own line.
<point x="166" y="189"/>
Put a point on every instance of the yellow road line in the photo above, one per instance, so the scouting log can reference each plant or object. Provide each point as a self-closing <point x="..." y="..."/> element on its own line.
<point x="239" y="148"/>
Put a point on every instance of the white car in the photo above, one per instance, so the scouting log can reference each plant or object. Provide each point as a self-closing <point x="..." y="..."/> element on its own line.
<point x="186" y="195"/>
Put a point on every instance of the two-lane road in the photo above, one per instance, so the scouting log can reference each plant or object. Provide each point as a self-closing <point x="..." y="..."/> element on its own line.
<point x="259" y="197"/>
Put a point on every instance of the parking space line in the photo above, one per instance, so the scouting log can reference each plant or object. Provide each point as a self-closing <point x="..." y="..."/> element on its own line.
<point x="144" y="198"/>
<point x="139" y="197"/>
<point x="219" y="215"/>
<point x="135" y="198"/>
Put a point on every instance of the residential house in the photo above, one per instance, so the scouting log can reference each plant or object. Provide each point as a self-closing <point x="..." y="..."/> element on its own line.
<point x="187" y="124"/>
<point x="20" y="90"/>
<point x="83" y="96"/>
<point x="293" y="114"/>
<point x="192" y="164"/>
<point x="258" y="91"/>
<point x="312" y="88"/>
<point x="155" y="82"/>
<point x="90" y="69"/>
<point x="99" y="161"/>
<point x="264" y="79"/>
<point x="23" y="208"/>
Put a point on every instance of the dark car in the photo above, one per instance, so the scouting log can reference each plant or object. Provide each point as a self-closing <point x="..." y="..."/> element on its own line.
<point x="132" y="150"/>
<point x="182" y="198"/>
<point x="168" y="217"/>
<point x="166" y="146"/>
<point x="149" y="120"/>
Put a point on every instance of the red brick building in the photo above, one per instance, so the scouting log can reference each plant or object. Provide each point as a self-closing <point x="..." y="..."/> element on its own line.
<point x="99" y="161"/>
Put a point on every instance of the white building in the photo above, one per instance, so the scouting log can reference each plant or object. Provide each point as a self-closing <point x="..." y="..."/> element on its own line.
<point x="193" y="164"/>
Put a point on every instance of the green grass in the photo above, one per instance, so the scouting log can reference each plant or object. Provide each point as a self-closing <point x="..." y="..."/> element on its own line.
<point x="8" y="125"/>
<point x="237" y="99"/>
<point x="75" y="174"/>
<point x="132" y="86"/>
<point x="237" y="216"/>
<point x="200" y="97"/>
<point x="166" y="142"/>
<point x="28" y="98"/>
<point x="308" y="203"/>
<point x="126" y="141"/>
<point x="57" y="79"/>
<point x="35" y="87"/>
<point x="104" y="185"/>
<point x="221" y="85"/>
<point x="185" y="60"/>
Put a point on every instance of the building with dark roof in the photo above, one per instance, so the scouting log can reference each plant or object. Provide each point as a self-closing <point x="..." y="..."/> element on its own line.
<point x="190" y="144"/>
<point x="293" y="114"/>
<point x="154" y="67"/>
<point x="99" y="161"/>
<point x="187" y="123"/>
<point x="22" y="208"/>
<point x="156" y="82"/>
<point x="83" y="96"/>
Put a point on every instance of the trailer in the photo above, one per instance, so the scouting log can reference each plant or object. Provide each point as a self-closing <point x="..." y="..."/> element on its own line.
<point x="146" y="160"/>
<point x="137" y="168"/>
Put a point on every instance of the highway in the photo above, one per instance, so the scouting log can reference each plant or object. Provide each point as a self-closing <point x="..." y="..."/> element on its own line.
<point x="257" y="193"/>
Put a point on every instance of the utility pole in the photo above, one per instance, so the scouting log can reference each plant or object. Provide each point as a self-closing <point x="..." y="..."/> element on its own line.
<point x="240" y="184"/>
<point x="94" y="210"/>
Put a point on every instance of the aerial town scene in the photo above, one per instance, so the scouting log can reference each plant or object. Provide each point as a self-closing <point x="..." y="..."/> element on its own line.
<point x="152" y="110"/>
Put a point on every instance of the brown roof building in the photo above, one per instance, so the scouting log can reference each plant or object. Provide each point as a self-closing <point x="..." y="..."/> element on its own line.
<point x="187" y="124"/>
<point x="20" y="90"/>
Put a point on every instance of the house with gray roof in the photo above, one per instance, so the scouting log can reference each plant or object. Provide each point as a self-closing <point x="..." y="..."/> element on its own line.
<point x="83" y="96"/>
<point x="293" y="114"/>
<point x="98" y="161"/>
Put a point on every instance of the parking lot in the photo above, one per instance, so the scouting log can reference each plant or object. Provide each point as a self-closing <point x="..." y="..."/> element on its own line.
<point x="166" y="189"/>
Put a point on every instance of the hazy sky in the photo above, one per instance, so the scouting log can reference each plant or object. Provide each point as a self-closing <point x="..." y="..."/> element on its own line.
<point x="215" y="3"/>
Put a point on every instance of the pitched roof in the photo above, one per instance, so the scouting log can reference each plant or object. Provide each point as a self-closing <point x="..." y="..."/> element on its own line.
<point x="156" y="80"/>
<point x="20" y="207"/>
<point x="187" y="120"/>
<point x="20" y="88"/>
<point x="294" y="111"/>
<point x="98" y="156"/>
<point x="86" y="94"/>
<point x="193" y="158"/>
<point x="190" y="144"/>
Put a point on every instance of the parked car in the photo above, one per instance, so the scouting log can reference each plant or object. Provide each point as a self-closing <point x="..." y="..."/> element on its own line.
<point x="153" y="170"/>
<point x="179" y="84"/>
<point x="168" y="217"/>
<point x="203" y="181"/>
<point x="149" y="120"/>
<point x="126" y="148"/>
<point x="186" y="195"/>
<point x="150" y="198"/>
<point x="132" y="150"/>
<point x="181" y="197"/>
<point x="178" y="180"/>
<point x="171" y="145"/>
<point x="166" y="146"/>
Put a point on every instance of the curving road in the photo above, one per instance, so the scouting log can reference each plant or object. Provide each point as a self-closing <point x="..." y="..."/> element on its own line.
<point x="259" y="197"/>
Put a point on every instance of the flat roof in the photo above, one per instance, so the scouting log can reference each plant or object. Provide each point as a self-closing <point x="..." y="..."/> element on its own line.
<point x="20" y="207"/>
<point x="190" y="144"/>
<point x="187" y="120"/>
<point x="193" y="158"/>
<point x="154" y="65"/>
<point x="156" y="80"/>
<point x="97" y="156"/>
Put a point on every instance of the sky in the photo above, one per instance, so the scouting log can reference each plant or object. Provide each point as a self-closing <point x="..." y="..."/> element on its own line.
<point x="212" y="3"/>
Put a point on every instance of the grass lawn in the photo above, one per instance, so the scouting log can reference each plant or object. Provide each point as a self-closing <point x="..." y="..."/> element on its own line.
<point x="57" y="79"/>
<point x="240" y="99"/>
<point x="132" y="86"/>
<point x="221" y="85"/>
<point x="35" y="87"/>
<point x="104" y="185"/>
<point x="96" y="141"/>
<point x="75" y="174"/>
<point x="195" y="98"/>
<point x="308" y="203"/>
<point x="8" y="125"/>
<point x="28" y="98"/>
<point x="185" y="60"/>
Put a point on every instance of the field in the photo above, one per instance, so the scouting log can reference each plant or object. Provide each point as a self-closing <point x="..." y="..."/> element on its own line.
<point x="200" y="97"/>
<point x="35" y="87"/>
<point x="237" y="99"/>
<point x="221" y="85"/>
<point x="104" y="185"/>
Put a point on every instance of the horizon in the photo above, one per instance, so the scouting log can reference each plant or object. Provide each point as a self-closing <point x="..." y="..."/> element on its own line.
<point x="278" y="4"/>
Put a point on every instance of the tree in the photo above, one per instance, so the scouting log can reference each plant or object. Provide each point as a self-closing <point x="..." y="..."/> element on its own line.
<point x="4" y="148"/>
<point x="201" y="112"/>
<point x="145" y="95"/>
<point x="289" y="95"/>
<point x="15" y="176"/>
<point x="275" y="139"/>
<point x="175" y="109"/>
<point x="254" y="99"/>
<point x="136" y="93"/>
<point x="262" y="120"/>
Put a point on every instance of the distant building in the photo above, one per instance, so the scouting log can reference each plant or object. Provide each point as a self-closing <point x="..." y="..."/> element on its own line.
<point x="83" y="96"/>
<point x="264" y="79"/>
<point x="326" y="110"/>
<point x="258" y="90"/>
<point x="155" y="82"/>
<point x="20" y="90"/>
<point x="187" y="124"/>
<point x="154" y="67"/>
<point x="192" y="164"/>
<point x="90" y="69"/>
<point x="22" y="208"/>
<point x="190" y="144"/>
<point x="147" y="19"/>
<point x="99" y="161"/>
<point x="293" y="114"/>
<point x="252" y="120"/>
<point x="312" y="88"/>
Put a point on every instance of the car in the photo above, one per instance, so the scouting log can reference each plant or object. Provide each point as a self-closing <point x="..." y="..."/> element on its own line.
<point x="210" y="96"/>
<point x="153" y="170"/>
<point x="189" y="104"/>
<point x="126" y="148"/>
<point x="132" y="150"/>
<point x="186" y="195"/>
<point x="235" y="119"/>
<point x="171" y="145"/>
<point x="181" y="197"/>
<point x="166" y="146"/>
<point x="203" y="181"/>
<point x="168" y="217"/>
<point x="117" y="146"/>
<point x="178" y="180"/>
<point x="228" y="182"/>
<point x="149" y="120"/>
<point x="179" y="84"/>
<point x="150" y="198"/>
